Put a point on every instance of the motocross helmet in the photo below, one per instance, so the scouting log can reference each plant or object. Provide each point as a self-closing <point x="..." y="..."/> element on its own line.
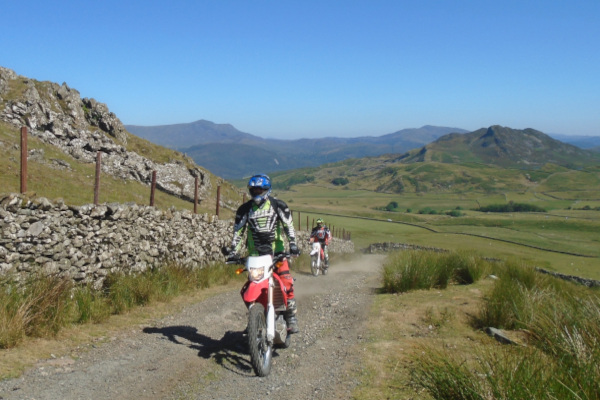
<point x="319" y="222"/>
<point x="259" y="187"/>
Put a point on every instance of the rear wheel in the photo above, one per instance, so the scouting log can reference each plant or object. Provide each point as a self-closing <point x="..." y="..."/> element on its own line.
<point x="261" y="351"/>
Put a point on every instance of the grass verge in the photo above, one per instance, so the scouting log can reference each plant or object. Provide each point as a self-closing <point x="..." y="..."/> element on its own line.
<point x="42" y="306"/>
<point x="430" y="343"/>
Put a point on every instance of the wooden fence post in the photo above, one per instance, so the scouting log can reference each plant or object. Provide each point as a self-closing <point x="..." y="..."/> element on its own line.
<point x="195" y="195"/>
<point x="152" y="188"/>
<point x="97" y="180"/>
<point x="23" y="159"/>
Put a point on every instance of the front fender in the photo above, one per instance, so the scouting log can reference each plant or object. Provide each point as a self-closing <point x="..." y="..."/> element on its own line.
<point x="255" y="291"/>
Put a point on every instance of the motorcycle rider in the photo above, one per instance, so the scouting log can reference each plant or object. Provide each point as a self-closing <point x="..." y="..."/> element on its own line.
<point x="322" y="234"/>
<point x="264" y="217"/>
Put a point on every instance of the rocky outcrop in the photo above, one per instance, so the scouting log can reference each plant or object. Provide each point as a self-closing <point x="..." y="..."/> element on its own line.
<point x="86" y="243"/>
<point x="83" y="127"/>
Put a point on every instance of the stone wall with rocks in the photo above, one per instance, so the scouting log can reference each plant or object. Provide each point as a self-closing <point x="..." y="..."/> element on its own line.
<point x="390" y="246"/>
<point x="88" y="242"/>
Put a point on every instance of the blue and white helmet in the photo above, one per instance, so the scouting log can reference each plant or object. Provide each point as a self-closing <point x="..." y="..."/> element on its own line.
<point x="259" y="187"/>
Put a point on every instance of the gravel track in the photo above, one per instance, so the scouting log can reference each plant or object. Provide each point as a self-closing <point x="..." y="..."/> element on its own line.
<point x="201" y="353"/>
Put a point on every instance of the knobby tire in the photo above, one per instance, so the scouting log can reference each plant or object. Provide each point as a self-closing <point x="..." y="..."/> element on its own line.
<point x="261" y="352"/>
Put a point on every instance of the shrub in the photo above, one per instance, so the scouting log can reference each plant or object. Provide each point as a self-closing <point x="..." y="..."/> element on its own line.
<point x="340" y="181"/>
<point x="512" y="207"/>
<point x="454" y="213"/>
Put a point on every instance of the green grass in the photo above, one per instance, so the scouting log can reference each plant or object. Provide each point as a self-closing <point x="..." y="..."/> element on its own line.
<point x="44" y="305"/>
<point x="541" y="239"/>
<point x="75" y="186"/>
<point x="562" y="356"/>
<point x="422" y="269"/>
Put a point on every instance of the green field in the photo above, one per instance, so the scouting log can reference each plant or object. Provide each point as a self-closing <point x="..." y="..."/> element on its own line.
<point x="564" y="239"/>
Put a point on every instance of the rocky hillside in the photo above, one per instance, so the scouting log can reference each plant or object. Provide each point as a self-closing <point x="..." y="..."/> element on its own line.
<point x="495" y="159"/>
<point x="57" y="115"/>
<point x="505" y="147"/>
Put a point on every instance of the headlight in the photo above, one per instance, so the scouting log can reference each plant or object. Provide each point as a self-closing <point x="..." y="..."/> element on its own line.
<point x="256" y="274"/>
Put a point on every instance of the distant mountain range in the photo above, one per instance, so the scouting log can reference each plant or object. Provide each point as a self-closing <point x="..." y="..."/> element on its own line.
<point x="233" y="154"/>
<point x="583" y="142"/>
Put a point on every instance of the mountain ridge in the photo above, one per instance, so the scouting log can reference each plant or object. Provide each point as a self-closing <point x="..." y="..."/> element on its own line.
<point x="270" y="155"/>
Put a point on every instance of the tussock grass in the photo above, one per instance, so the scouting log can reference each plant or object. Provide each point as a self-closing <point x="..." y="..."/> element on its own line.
<point x="38" y="308"/>
<point x="43" y="305"/>
<point x="421" y="269"/>
<point x="562" y="357"/>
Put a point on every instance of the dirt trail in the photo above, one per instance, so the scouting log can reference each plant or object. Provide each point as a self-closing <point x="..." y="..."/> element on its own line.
<point x="200" y="353"/>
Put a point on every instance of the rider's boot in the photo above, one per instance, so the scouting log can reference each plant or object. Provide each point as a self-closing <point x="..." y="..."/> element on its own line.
<point x="290" y="316"/>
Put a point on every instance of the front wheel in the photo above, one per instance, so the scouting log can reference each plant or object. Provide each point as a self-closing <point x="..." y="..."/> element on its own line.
<point x="313" y="266"/>
<point x="261" y="351"/>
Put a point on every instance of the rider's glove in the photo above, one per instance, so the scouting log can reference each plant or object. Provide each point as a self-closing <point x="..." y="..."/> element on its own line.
<point x="294" y="250"/>
<point x="233" y="257"/>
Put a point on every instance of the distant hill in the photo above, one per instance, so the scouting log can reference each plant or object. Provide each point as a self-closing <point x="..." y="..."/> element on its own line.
<point x="233" y="154"/>
<point x="490" y="160"/>
<point x="180" y="136"/>
<point x="505" y="147"/>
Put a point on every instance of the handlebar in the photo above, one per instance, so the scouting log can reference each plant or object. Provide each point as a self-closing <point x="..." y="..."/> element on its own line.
<point x="276" y="258"/>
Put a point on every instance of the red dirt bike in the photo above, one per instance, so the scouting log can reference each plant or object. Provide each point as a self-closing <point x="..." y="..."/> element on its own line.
<point x="267" y="303"/>
<point x="317" y="259"/>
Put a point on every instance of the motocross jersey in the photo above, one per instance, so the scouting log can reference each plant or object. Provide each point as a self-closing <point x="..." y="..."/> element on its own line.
<point x="321" y="234"/>
<point x="264" y="224"/>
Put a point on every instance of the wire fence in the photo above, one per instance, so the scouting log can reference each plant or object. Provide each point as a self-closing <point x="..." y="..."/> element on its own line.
<point x="335" y="231"/>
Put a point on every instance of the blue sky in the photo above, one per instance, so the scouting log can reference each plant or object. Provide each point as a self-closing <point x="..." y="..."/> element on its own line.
<point x="313" y="68"/>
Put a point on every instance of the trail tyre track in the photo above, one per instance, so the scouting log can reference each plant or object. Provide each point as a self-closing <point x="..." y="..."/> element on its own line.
<point x="201" y="353"/>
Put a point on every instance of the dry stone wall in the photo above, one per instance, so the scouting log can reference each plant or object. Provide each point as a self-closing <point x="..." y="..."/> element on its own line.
<point x="86" y="243"/>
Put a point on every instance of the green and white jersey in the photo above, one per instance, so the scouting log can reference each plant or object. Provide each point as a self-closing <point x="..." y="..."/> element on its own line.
<point x="264" y="225"/>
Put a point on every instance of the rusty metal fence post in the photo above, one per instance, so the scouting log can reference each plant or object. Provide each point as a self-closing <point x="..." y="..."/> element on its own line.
<point x="97" y="180"/>
<point x="195" y="195"/>
<point x="152" y="188"/>
<point x="23" y="159"/>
